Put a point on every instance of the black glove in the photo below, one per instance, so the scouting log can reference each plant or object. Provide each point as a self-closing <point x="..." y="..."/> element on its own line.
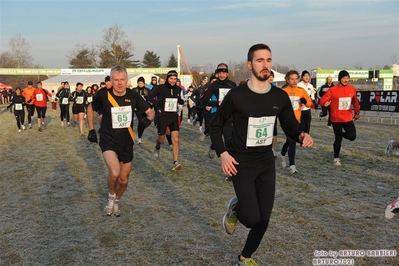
<point x="29" y="101"/>
<point x="146" y="122"/>
<point x="92" y="137"/>
<point x="303" y="100"/>
<point x="8" y="107"/>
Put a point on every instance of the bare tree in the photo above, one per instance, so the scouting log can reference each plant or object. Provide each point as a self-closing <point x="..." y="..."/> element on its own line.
<point x="20" y="50"/>
<point x="7" y="60"/>
<point x="116" y="48"/>
<point x="358" y="65"/>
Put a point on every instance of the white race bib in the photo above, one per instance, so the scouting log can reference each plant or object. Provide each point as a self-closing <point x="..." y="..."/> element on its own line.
<point x="222" y="93"/>
<point x="39" y="97"/>
<point x="260" y="131"/>
<point x="344" y="103"/>
<point x="121" y="117"/>
<point x="295" y="102"/>
<point x="170" y="105"/>
<point x="79" y="99"/>
<point x="64" y="101"/>
<point x="89" y="99"/>
<point x="18" y="106"/>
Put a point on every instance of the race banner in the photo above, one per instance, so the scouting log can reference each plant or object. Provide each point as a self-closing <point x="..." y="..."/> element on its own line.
<point x="382" y="101"/>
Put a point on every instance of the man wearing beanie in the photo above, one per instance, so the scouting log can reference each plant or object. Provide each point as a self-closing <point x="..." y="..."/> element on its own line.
<point x="143" y="91"/>
<point x="166" y="98"/>
<point x="306" y="116"/>
<point x="341" y="98"/>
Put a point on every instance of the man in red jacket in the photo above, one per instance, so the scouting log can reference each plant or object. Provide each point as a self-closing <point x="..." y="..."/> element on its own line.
<point x="341" y="98"/>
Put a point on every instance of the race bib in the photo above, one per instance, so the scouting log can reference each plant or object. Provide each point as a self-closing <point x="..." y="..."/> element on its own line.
<point x="170" y="105"/>
<point x="18" y="106"/>
<point x="344" y="103"/>
<point x="295" y="102"/>
<point x="222" y="93"/>
<point x="260" y="131"/>
<point x="79" y="99"/>
<point x="89" y="99"/>
<point x="121" y="116"/>
<point x="39" y="97"/>
<point x="64" y="101"/>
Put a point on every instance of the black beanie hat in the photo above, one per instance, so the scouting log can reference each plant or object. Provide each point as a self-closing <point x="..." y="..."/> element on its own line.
<point x="107" y="78"/>
<point x="30" y="82"/>
<point x="141" y="79"/>
<point x="304" y="73"/>
<point x="342" y="73"/>
<point x="171" y="73"/>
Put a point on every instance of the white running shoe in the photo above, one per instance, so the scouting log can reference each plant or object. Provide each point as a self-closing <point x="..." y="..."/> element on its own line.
<point x="293" y="169"/>
<point x="22" y="127"/>
<point x="282" y="160"/>
<point x="110" y="206"/>
<point x="202" y="137"/>
<point x="391" y="209"/>
<point x="230" y="219"/>
<point x="19" y="130"/>
<point x="188" y="120"/>
<point x="171" y="147"/>
<point x="157" y="152"/>
<point x="337" y="161"/>
<point x="139" y="142"/>
<point x="200" y="128"/>
<point x="389" y="148"/>
<point x="62" y="123"/>
<point x="116" y="210"/>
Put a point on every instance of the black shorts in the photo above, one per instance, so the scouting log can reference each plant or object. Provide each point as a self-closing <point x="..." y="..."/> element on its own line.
<point x="167" y="121"/>
<point x="78" y="108"/>
<point x="41" y="112"/>
<point x="124" y="154"/>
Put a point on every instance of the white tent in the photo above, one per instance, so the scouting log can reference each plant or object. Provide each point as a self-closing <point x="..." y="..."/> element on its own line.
<point x="278" y="77"/>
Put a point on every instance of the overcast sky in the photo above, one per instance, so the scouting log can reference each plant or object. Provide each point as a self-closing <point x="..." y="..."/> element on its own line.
<point x="304" y="34"/>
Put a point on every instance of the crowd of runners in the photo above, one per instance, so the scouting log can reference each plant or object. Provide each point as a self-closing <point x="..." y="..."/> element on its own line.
<point x="240" y="119"/>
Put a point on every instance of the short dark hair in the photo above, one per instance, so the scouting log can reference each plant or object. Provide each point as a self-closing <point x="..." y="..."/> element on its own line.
<point x="256" y="47"/>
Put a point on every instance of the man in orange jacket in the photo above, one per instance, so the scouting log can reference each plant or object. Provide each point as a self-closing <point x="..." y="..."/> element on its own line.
<point x="342" y="98"/>
<point x="30" y="107"/>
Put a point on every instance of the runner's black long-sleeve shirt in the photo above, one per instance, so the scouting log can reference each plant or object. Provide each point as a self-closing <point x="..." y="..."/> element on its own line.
<point x="242" y="103"/>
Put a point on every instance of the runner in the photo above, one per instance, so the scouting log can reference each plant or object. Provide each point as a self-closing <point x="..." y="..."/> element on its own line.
<point x="250" y="160"/>
<point x="342" y="99"/>
<point x="298" y="97"/>
<point x="167" y="99"/>
<point x="19" y="102"/>
<point x="306" y="116"/>
<point x="30" y="107"/>
<point x="143" y="91"/>
<point x="39" y="97"/>
<point x="79" y="99"/>
<point x="213" y="97"/>
<point x="116" y="137"/>
<point x="63" y="96"/>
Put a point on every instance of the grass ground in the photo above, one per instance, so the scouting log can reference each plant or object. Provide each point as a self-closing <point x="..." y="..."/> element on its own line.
<point x="53" y="189"/>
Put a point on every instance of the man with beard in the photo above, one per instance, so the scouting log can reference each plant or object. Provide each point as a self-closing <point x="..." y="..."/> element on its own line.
<point x="143" y="91"/>
<point x="166" y="98"/>
<point x="250" y="161"/>
<point x="342" y="99"/>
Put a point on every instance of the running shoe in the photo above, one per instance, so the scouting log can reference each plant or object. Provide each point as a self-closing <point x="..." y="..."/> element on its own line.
<point x="293" y="169"/>
<point x="116" y="210"/>
<point x="30" y="126"/>
<point x="62" y="123"/>
<point x="68" y="124"/>
<point x="227" y="178"/>
<point x="202" y="137"/>
<point x="389" y="148"/>
<point x="19" y="130"/>
<point x="188" y="121"/>
<point x="337" y="161"/>
<point x="171" y="147"/>
<point x="391" y="209"/>
<point x="211" y="153"/>
<point x="139" y="142"/>
<point x="40" y="129"/>
<point x="44" y="126"/>
<point x="194" y="121"/>
<point x="200" y="128"/>
<point x="177" y="167"/>
<point x="110" y="206"/>
<point x="282" y="160"/>
<point x="157" y="152"/>
<point x="246" y="262"/>
<point x="230" y="219"/>
<point x="22" y="127"/>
